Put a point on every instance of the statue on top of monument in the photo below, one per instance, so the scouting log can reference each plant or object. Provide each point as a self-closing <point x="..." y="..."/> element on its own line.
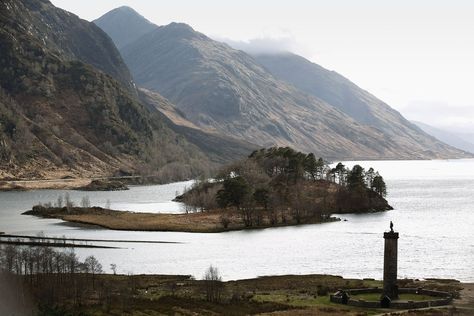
<point x="391" y="227"/>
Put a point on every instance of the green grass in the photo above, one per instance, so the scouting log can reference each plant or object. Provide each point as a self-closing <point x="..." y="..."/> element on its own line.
<point x="307" y="301"/>
<point x="402" y="297"/>
<point x="297" y="300"/>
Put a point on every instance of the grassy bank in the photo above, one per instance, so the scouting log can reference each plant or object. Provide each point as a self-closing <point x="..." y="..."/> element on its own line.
<point x="201" y="222"/>
<point x="272" y="295"/>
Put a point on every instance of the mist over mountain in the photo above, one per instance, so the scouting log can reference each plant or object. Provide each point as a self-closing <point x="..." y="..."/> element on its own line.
<point x="263" y="45"/>
<point x="221" y="89"/>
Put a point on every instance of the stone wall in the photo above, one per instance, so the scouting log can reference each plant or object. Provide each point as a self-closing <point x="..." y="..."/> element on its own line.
<point x="442" y="298"/>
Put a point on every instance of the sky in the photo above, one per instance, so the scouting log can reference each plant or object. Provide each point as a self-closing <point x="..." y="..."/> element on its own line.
<point x="416" y="55"/>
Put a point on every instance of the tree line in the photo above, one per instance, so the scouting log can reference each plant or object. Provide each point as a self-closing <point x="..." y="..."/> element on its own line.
<point x="46" y="281"/>
<point x="49" y="275"/>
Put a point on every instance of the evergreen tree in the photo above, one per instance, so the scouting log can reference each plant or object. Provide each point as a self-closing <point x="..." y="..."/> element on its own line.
<point x="311" y="166"/>
<point x="234" y="192"/>
<point x="356" y="177"/>
<point x="378" y="185"/>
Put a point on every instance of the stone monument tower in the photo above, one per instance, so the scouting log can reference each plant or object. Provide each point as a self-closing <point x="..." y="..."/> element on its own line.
<point x="390" y="288"/>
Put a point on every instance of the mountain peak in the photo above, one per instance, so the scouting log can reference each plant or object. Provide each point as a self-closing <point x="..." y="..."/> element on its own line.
<point x="179" y="30"/>
<point x="124" y="25"/>
<point x="124" y="8"/>
<point x="180" y="26"/>
<point x="121" y="11"/>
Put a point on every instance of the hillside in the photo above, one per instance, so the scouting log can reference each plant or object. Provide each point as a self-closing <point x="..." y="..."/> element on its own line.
<point x="227" y="91"/>
<point x="448" y="137"/>
<point x="67" y="35"/>
<point x="220" y="149"/>
<point x="63" y="114"/>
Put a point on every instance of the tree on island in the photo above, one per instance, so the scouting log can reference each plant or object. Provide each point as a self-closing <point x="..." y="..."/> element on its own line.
<point x="356" y="178"/>
<point x="378" y="185"/>
<point x="279" y="184"/>
<point x="235" y="190"/>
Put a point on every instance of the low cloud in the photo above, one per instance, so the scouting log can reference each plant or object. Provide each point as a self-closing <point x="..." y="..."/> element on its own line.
<point x="265" y="45"/>
<point x="456" y="118"/>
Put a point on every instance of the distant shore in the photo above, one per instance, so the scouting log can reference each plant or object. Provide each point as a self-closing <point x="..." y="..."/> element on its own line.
<point x="199" y="222"/>
<point x="55" y="184"/>
<point x="86" y="184"/>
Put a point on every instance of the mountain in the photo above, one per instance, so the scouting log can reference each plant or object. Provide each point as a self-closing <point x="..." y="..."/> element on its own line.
<point x="124" y="25"/>
<point x="67" y="35"/>
<point x="221" y="89"/>
<point x="447" y="137"/>
<point x="68" y="106"/>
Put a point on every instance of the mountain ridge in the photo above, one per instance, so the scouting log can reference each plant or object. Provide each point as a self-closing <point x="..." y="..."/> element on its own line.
<point x="228" y="91"/>
<point x="63" y="116"/>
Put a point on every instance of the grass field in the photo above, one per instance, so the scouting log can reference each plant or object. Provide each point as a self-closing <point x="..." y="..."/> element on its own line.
<point x="272" y="295"/>
<point x="402" y="297"/>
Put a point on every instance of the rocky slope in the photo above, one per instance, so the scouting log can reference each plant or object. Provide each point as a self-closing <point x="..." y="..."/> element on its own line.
<point x="221" y="89"/>
<point x="65" y="34"/>
<point x="62" y="112"/>
<point x="220" y="149"/>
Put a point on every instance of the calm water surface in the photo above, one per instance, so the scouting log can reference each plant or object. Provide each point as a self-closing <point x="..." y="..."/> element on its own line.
<point x="433" y="201"/>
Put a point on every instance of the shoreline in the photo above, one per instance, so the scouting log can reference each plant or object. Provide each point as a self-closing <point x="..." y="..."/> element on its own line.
<point x="44" y="184"/>
<point x="18" y="185"/>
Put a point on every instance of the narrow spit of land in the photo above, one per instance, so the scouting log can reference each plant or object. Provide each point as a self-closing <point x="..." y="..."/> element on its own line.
<point x="62" y="239"/>
<point x="200" y="222"/>
<point x="18" y="242"/>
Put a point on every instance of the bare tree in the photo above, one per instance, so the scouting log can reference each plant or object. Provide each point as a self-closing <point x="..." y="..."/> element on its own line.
<point x="113" y="267"/>
<point x="213" y="284"/>
<point x="59" y="202"/>
<point x="68" y="201"/>
<point x="85" y="202"/>
<point x="93" y="266"/>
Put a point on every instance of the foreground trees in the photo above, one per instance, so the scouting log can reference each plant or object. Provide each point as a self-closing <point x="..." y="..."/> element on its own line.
<point x="49" y="275"/>
<point x="213" y="284"/>
<point x="279" y="184"/>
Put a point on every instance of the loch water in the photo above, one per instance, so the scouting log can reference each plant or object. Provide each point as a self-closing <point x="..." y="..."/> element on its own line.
<point x="433" y="212"/>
